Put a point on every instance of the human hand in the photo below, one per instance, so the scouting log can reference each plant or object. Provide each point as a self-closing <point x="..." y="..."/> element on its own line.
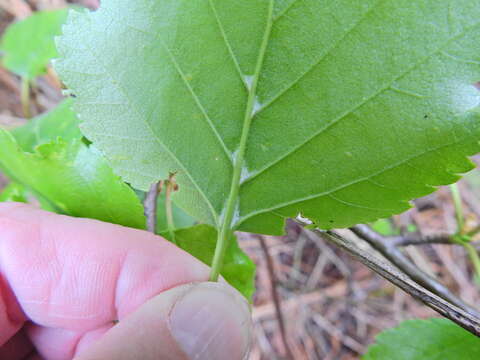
<point x="64" y="281"/>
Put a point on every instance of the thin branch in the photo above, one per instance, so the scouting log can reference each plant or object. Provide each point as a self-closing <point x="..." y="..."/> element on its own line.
<point x="150" y="205"/>
<point x="468" y="321"/>
<point x="390" y="250"/>
<point x="416" y="239"/>
<point x="275" y="297"/>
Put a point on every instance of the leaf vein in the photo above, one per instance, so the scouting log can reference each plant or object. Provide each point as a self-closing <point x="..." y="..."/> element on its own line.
<point x="356" y="205"/>
<point x="155" y="136"/>
<point x="285" y="10"/>
<point x="356" y="107"/>
<point x="196" y="99"/>
<point x="227" y="43"/>
<point x="319" y="60"/>
<point x="343" y="186"/>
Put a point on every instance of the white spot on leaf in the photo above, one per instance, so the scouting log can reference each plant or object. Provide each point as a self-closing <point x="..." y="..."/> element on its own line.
<point x="256" y="107"/>
<point x="248" y="81"/>
<point x="467" y="97"/>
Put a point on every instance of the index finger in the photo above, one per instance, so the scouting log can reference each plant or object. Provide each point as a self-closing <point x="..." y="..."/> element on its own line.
<point x="80" y="274"/>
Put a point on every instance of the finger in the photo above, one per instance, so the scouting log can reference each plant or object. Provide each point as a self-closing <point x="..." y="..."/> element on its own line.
<point x="34" y="357"/>
<point x="204" y="321"/>
<point x="81" y="274"/>
<point x="61" y="344"/>
<point x="17" y="348"/>
<point x="11" y="315"/>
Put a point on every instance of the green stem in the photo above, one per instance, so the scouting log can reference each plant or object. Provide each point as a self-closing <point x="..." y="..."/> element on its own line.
<point x="457" y="202"/>
<point x="168" y="209"/>
<point x="238" y="162"/>
<point x="25" y="97"/>
<point x="474" y="258"/>
<point x="471" y="251"/>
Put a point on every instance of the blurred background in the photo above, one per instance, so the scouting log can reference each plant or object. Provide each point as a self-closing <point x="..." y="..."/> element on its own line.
<point x="312" y="301"/>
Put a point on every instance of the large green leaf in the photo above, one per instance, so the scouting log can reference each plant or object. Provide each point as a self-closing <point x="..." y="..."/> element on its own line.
<point x="337" y="109"/>
<point x="28" y="45"/>
<point x="59" y="122"/>
<point x="74" y="178"/>
<point x="200" y="241"/>
<point x="434" y="339"/>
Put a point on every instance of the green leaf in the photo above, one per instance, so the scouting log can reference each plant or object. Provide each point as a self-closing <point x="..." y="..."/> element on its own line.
<point x="14" y="192"/>
<point x="339" y="110"/>
<point x="238" y="269"/>
<point x="59" y="122"/>
<point x="433" y="339"/>
<point x="28" y="45"/>
<point x="75" y="179"/>
<point x="385" y="227"/>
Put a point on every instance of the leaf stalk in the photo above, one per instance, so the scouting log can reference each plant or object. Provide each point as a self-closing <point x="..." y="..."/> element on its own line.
<point x="226" y="227"/>
<point x="170" y="187"/>
<point x="25" y="97"/>
<point x="457" y="202"/>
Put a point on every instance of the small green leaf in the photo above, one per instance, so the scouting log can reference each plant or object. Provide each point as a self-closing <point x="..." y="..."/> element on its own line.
<point x="238" y="269"/>
<point x="433" y="339"/>
<point x="385" y="227"/>
<point x="59" y="122"/>
<point x="74" y="178"/>
<point x="339" y="110"/>
<point x="14" y="192"/>
<point x="28" y="45"/>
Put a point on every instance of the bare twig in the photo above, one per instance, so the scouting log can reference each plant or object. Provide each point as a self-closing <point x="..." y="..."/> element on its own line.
<point x="275" y="297"/>
<point x="150" y="205"/>
<point x="346" y="340"/>
<point x="415" y="239"/>
<point x="468" y="321"/>
<point x="390" y="250"/>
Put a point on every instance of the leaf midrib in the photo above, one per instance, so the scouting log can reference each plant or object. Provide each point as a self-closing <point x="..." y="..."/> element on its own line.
<point x="232" y="200"/>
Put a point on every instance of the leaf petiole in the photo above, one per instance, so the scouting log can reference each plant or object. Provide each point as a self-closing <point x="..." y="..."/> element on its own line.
<point x="457" y="202"/>
<point x="25" y="97"/>
<point x="170" y="187"/>
<point x="462" y="238"/>
<point x="475" y="259"/>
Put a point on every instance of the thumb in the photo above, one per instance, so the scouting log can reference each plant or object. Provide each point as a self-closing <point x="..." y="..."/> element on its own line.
<point x="195" y="321"/>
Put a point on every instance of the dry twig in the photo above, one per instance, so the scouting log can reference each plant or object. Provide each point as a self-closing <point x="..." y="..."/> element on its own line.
<point x="458" y="315"/>
<point x="275" y="297"/>
<point x="150" y="205"/>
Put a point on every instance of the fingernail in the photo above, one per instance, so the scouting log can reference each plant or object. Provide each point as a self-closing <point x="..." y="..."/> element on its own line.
<point x="212" y="321"/>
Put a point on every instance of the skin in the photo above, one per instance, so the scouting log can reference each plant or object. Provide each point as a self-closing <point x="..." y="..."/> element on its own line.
<point x="64" y="282"/>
